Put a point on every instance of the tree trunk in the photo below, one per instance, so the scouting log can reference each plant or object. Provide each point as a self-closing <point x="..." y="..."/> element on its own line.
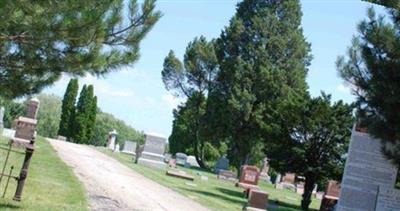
<point x="308" y="188"/>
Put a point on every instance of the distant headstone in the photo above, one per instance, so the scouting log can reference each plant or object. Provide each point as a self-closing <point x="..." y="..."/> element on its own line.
<point x="369" y="178"/>
<point x="331" y="197"/>
<point x="9" y="133"/>
<point x="61" y="138"/>
<point x="192" y="161"/>
<point x="222" y="164"/>
<point x="180" y="158"/>
<point x="300" y="188"/>
<point x="111" y="139"/>
<point x="167" y="157"/>
<point x="227" y="175"/>
<point x="258" y="200"/>
<point x="153" y="153"/>
<point x="1" y="117"/>
<point x="187" y="165"/>
<point x="32" y="108"/>
<point x="287" y="182"/>
<point x="129" y="147"/>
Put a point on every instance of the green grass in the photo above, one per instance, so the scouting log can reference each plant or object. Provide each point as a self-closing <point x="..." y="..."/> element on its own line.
<point x="215" y="194"/>
<point x="51" y="184"/>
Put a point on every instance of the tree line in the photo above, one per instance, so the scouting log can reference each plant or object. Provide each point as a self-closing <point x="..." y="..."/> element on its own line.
<point x="246" y="91"/>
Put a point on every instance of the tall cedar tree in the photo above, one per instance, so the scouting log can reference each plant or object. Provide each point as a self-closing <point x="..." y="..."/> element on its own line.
<point x="372" y="70"/>
<point x="68" y="109"/>
<point x="193" y="80"/>
<point x="85" y="116"/>
<point x="263" y="58"/>
<point x="40" y="40"/>
<point x="316" y="143"/>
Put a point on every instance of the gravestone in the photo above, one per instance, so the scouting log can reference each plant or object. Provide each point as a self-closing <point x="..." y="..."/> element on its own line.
<point x="287" y="182"/>
<point x="117" y="147"/>
<point x="180" y="174"/>
<point x="331" y="196"/>
<point x="129" y="147"/>
<point x="153" y="152"/>
<point x="300" y="188"/>
<point x="222" y="164"/>
<point x="191" y="160"/>
<point x="111" y="139"/>
<point x="180" y="158"/>
<point x="249" y="178"/>
<point x="258" y="200"/>
<point x="33" y="108"/>
<point x="9" y="133"/>
<point x="227" y="175"/>
<point x="1" y="117"/>
<point x="369" y="178"/>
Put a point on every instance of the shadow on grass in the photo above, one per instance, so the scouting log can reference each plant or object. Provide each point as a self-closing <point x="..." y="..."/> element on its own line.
<point x="219" y="196"/>
<point x="231" y="192"/>
<point x="279" y="205"/>
<point x="8" y="206"/>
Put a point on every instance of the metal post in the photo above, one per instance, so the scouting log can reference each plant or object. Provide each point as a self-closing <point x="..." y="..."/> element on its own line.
<point x="23" y="174"/>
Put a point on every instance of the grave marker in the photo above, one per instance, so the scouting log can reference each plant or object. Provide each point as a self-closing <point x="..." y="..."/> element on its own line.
<point x="153" y="152"/>
<point x="222" y="164"/>
<point x="366" y="172"/>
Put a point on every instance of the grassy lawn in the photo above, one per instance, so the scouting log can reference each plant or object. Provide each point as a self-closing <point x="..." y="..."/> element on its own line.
<point x="51" y="184"/>
<point x="215" y="194"/>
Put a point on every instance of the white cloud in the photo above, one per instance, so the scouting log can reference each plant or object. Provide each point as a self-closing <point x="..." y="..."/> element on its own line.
<point x="171" y="101"/>
<point x="104" y="88"/>
<point x="342" y="88"/>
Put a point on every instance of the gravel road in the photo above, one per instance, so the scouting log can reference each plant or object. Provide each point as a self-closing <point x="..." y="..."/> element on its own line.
<point x="113" y="186"/>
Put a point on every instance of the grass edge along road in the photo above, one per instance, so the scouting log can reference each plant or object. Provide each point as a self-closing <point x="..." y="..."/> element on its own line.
<point x="214" y="194"/>
<point x="50" y="185"/>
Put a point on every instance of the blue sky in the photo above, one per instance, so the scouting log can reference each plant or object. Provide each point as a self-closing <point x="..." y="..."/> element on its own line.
<point x="137" y="95"/>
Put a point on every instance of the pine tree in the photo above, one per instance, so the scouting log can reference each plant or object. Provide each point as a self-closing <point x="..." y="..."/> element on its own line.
<point x="263" y="58"/>
<point x="68" y="109"/>
<point x="372" y="70"/>
<point x="192" y="79"/>
<point x="40" y="40"/>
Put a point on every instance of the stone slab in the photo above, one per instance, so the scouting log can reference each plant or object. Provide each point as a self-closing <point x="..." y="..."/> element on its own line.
<point x="180" y="174"/>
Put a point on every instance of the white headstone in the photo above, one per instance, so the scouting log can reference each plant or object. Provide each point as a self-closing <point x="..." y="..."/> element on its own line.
<point x="366" y="172"/>
<point x="1" y="117"/>
<point x="129" y="147"/>
<point x="153" y="153"/>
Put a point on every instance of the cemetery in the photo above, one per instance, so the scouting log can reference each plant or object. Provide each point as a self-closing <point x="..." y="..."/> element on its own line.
<point x="236" y="105"/>
<point x="217" y="194"/>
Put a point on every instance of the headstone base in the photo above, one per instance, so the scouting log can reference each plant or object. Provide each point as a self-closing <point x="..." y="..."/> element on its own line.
<point x="152" y="160"/>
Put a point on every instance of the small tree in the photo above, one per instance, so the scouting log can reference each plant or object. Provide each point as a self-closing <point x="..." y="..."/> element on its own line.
<point x="85" y="117"/>
<point x="372" y="70"/>
<point x="316" y="144"/>
<point x="68" y="109"/>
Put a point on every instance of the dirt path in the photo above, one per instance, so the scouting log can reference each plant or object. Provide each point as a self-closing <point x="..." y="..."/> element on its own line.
<point x="113" y="186"/>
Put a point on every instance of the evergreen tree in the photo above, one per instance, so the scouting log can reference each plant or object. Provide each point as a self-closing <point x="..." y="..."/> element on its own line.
<point x="316" y="143"/>
<point x="80" y="130"/>
<point x="68" y="109"/>
<point x="192" y="79"/>
<point x="263" y="58"/>
<point x="92" y="113"/>
<point x="40" y="40"/>
<point x="372" y="70"/>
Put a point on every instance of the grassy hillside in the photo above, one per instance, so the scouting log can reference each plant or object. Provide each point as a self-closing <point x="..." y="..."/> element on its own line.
<point x="51" y="184"/>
